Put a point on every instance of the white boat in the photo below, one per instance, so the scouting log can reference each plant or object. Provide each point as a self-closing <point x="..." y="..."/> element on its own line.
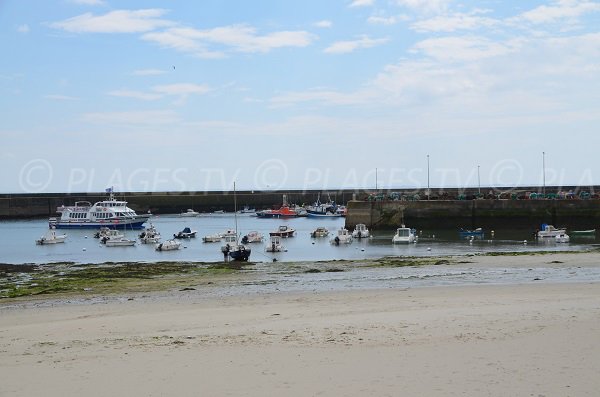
<point x="283" y="231"/>
<point x="275" y="245"/>
<point x="189" y="213"/>
<point x="169" y="245"/>
<point x="119" y="242"/>
<point x="550" y="231"/>
<point x="360" y="231"/>
<point x="150" y="235"/>
<point x="247" y="210"/>
<point x="111" y="213"/>
<point x="343" y="237"/>
<point x="228" y="233"/>
<point x="252" y="237"/>
<point x="562" y="238"/>
<point x="212" y="238"/>
<point x="219" y="212"/>
<point x="51" y="238"/>
<point x="319" y="232"/>
<point x="404" y="235"/>
<point x="110" y="234"/>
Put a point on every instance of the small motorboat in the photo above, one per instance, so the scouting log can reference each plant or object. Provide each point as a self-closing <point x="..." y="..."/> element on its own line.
<point x="252" y="237"/>
<point x="228" y="233"/>
<point x="404" y="235"/>
<point x="169" y="245"/>
<point x="119" y="242"/>
<point x="150" y="235"/>
<point x="360" y="231"/>
<point x="343" y="237"/>
<point x="110" y="234"/>
<point x="283" y="231"/>
<point x="562" y="238"/>
<point x="212" y="238"/>
<point x="319" y="232"/>
<point x="235" y="251"/>
<point x="219" y="212"/>
<point x="466" y="233"/>
<point x="189" y="213"/>
<point x="247" y="210"/>
<point x="51" y="238"/>
<point x="275" y="245"/>
<point x="549" y="231"/>
<point x="186" y="233"/>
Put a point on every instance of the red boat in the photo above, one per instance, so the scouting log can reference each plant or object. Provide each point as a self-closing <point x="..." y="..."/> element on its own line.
<point x="283" y="212"/>
<point x="283" y="231"/>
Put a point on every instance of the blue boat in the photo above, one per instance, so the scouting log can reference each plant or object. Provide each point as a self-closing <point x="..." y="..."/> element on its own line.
<point x="477" y="233"/>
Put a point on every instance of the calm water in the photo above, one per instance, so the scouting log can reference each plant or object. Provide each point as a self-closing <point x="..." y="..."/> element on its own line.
<point x="17" y="242"/>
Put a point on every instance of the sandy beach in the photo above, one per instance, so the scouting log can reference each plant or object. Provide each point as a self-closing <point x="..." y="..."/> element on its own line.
<point x="537" y="339"/>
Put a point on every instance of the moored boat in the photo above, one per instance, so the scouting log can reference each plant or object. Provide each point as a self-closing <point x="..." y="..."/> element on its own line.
<point x="589" y="232"/>
<point x="51" y="238"/>
<point x="252" y="237"/>
<point x="283" y="212"/>
<point x="404" y="235"/>
<point x="360" y="231"/>
<point x="283" y="231"/>
<point x="319" y="232"/>
<point x="212" y="238"/>
<point x="275" y="245"/>
<point x="549" y="231"/>
<point x="562" y="238"/>
<point x="343" y="237"/>
<point x="150" y="235"/>
<point x="189" y="213"/>
<point x="119" y="242"/>
<point x="232" y="250"/>
<point x="185" y="233"/>
<point x="108" y="234"/>
<point x="111" y="213"/>
<point x="169" y="245"/>
<point x="476" y="233"/>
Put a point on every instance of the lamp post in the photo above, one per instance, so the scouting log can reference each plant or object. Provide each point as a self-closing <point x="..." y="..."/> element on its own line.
<point x="478" y="181"/>
<point x="427" y="177"/>
<point x="544" y="174"/>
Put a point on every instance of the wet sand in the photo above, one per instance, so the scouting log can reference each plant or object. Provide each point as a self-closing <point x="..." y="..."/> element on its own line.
<point x="538" y="339"/>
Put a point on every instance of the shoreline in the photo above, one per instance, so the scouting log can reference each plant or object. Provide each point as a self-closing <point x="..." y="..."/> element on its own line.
<point x="496" y="340"/>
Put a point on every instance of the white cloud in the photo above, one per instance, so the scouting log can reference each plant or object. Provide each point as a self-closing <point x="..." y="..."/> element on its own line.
<point x="59" y="97"/>
<point x="239" y="38"/>
<point x="343" y="47"/>
<point x="318" y="95"/>
<point x="133" y="117"/>
<point x="386" y="21"/>
<point x="470" y="48"/>
<point x="145" y="96"/>
<point x="148" y="72"/>
<point x="362" y="3"/>
<point x="560" y="10"/>
<point x="181" y="89"/>
<point x="23" y="28"/>
<point x="119" y="21"/>
<point x="323" y="24"/>
<point x="453" y="22"/>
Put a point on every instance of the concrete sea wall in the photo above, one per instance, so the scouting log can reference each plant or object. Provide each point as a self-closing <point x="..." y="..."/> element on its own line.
<point x="488" y="214"/>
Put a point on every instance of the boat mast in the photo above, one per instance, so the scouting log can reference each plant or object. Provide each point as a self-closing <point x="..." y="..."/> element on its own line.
<point x="235" y="212"/>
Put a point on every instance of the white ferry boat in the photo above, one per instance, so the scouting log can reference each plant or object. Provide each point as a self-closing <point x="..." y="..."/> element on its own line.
<point x="111" y="213"/>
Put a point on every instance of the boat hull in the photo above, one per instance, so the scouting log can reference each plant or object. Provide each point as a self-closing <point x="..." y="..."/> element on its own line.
<point x="124" y="224"/>
<point x="314" y="215"/>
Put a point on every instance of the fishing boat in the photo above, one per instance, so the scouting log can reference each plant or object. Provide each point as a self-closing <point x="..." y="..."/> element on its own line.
<point x="275" y="245"/>
<point x="476" y="233"/>
<point x="283" y="231"/>
<point x="185" y="233"/>
<point x="51" y="238"/>
<point x="111" y="213"/>
<point x="319" y="232"/>
<point x="119" y="242"/>
<point x="404" y="235"/>
<point x="360" y="231"/>
<point x="189" y="213"/>
<point x="343" y="237"/>
<point x="231" y="249"/>
<point x="252" y="237"/>
<point x="150" y="235"/>
<point x="323" y="210"/>
<point x="549" y="231"/>
<point x="247" y="210"/>
<point x="169" y="245"/>
<point x="212" y="238"/>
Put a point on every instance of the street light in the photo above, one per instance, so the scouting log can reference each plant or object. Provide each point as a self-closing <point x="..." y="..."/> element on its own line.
<point x="427" y="177"/>
<point x="544" y="173"/>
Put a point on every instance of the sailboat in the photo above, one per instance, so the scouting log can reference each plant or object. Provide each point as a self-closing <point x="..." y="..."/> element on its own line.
<point x="232" y="249"/>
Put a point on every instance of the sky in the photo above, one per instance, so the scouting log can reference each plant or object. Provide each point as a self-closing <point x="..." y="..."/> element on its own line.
<point x="270" y="94"/>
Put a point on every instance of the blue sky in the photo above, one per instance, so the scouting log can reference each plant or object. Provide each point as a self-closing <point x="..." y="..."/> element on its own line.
<point x="181" y="95"/>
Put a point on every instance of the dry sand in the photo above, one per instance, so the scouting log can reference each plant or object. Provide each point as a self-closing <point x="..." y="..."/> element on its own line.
<point x="517" y="340"/>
